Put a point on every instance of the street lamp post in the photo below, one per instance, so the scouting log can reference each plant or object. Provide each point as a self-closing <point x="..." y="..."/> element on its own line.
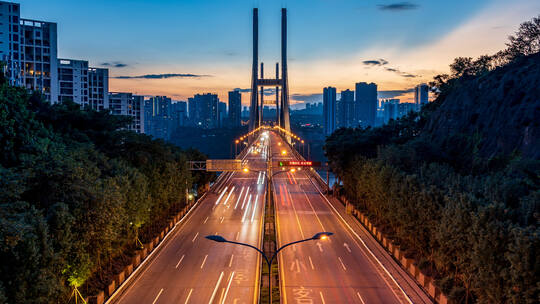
<point x="317" y="236"/>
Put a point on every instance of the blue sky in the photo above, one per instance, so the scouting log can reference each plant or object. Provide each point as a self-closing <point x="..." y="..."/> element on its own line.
<point x="213" y="38"/>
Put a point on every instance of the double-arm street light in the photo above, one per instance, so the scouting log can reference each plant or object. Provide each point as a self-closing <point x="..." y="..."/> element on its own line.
<point x="317" y="236"/>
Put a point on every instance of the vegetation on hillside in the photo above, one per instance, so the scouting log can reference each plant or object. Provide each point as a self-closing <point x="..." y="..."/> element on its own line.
<point x="76" y="194"/>
<point x="470" y="221"/>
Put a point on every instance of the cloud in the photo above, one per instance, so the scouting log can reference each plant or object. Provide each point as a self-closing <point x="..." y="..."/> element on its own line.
<point x="307" y="97"/>
<point x="115" y="64"/>
<point x="161" y="76"/>
<point x="375" y="62"/>
<point x="400" y="6"/>
<point x="393" y="93"/>
<point x="400" y="73"/>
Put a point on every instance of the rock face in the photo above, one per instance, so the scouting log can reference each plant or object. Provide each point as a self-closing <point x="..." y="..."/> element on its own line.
<point x="501" y="107"/>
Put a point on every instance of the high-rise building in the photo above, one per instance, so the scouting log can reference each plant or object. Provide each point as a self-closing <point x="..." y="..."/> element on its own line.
<point x="29" y="48"/>
<point x="390" y="109"/>
<point x="222" y="114"/>
<point x="158" y="118"/>
<point x="10" y="32"/>
<point x="131" y="105"/>
<point x="365" y="104"/>
<point x="405" y="108"/>
<point x="179" y="114"/>
<point x="203" y="110"/>
<point x="98" y="88"/>
<point x="73" y="81"/>
<point x="345" y="110"/>
<point x="329" y="110"/>
<point x="421" y="95"/>
<point x="235" y="108"/>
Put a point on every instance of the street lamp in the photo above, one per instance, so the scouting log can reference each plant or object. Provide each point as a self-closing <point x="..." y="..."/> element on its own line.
<point x="317" y="236"/>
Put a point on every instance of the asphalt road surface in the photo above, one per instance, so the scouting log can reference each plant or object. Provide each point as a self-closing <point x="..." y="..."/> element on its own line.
<point x="340" y="269"/>
<point x="349" y="267"/>
<point x="191" y="269"/>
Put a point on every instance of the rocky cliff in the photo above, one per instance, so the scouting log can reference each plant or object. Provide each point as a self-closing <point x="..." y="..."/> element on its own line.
<point x="501" y="109"/>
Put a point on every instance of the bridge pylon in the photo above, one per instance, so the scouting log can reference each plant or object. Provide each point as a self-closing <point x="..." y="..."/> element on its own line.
<point x="258" y="83"/>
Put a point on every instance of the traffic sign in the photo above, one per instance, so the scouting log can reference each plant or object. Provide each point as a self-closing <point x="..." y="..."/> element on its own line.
<point x="299" y="163"/>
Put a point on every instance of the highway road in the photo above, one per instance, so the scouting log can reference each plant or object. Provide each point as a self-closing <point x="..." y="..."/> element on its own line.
<point x="349" y="267"/>
<point x="191" y="269"/>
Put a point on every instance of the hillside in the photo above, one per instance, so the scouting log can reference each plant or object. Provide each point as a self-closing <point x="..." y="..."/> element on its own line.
<point x="502" y="107"/>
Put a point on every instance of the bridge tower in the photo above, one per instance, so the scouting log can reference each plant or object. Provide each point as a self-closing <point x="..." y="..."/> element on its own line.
<point x="258" y="83"/>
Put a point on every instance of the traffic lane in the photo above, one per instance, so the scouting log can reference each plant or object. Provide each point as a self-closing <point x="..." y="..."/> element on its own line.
<point x="349" y="254"/>
<point x="304" y="278"/>
<point x="160" y="274"/>
<point x="332" y="259"/>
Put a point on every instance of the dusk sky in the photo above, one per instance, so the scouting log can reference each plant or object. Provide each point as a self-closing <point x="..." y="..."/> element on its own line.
<point x="205" y="46"/>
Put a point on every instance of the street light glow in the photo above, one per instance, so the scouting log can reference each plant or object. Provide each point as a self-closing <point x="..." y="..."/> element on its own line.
<point x="283" y="152"/>
<point x="322" y="235"/>
<point x="246" y="170"/>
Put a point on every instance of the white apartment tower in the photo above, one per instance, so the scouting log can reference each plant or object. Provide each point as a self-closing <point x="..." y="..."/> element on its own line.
<point x="131" y="105"/>
<point x="29" y="48"/>
<point x="73" y="81"/>
<point x="98" y="88"/>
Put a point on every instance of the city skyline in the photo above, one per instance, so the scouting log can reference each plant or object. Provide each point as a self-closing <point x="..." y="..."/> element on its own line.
<point x="397" y="52"/>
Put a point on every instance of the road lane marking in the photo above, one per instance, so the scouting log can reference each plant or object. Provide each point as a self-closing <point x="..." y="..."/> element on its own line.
<point x="221" y="195"/>
<point x="222" y="218"/>
<point x="314" y="212"/>
<point x="320" y="246"/>
<point x="245" y="198"/>
<point x="188" y="296"/>
<point x="196" y="235"/>
<point x="280" y="257"/>
<point x="239" y="197"/>
<point x="221" y="296"/>
<point x="228" y="287"/>
<point x="297" y="219"/>
<point x="254" y="207"/>
<point x="157" y="297"/>
<point x="205" y="220"/>
<point x="204" y="261"/>
<point x="237" y="235"/>
<point x="180" y="261"/>
<point x="360" y="297"/>
<point x="311" y="263"/>
<point x="247" y="209"/>
<point x="347" y="246"/>
<point x="342" y="265"/>
<point x="230" y="261"/>
<point x="216" y="288"/>
<point x="228" y="196"/>
<point x="322" y="298"/>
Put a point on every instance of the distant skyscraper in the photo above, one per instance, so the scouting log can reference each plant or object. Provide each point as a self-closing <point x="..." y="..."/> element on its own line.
<point x="329" y="110"/>
<point x="405" y="108"/>
<point x="365" y="104"/>
<point x="98" y="88"/>
<point x="345" y="110"/>
<point x="222" y="114"/>
<point x="73" y="81"/>
<point x="421" y="95"/>
<point x="390" y="108"/>
<point x="178" y="115"/>
<point x="129" y="105"/>
<point x="235" y="108"/>
<point x="158" y="117"/>
<point x="203" y="110"/>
